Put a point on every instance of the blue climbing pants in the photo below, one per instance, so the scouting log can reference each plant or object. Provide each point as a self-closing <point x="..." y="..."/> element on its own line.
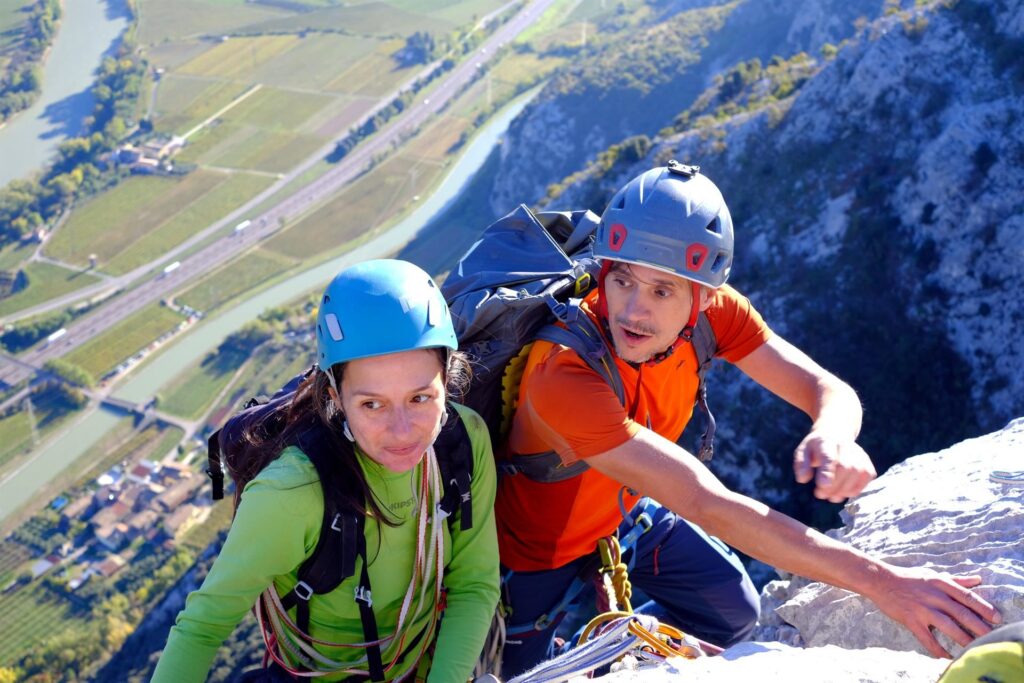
<point x="694" y="582"/>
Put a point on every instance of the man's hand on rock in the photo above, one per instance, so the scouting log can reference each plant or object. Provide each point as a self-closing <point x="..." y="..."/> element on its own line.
<point x="925" y="602"/>
<point x="840" y="468"/>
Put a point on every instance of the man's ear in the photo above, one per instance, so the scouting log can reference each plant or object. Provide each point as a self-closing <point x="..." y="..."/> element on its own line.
<point x="706" y="295"/>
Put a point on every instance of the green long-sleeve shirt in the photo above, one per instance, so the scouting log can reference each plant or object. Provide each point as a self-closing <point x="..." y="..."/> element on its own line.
<point x="276" y="528"/>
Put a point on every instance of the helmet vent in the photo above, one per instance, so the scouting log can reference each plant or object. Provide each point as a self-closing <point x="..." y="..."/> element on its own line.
<point x="327" y="299"/>
<point x="714" y="227"/>
<point x="433" y="313"/>
<point x="334" y="327"/>
<point x="621" y="204"/>
<point x="719" y="263"/>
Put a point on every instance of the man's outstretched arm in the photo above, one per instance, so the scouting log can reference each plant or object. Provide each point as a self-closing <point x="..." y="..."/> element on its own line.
<point x="920" y="599"/>
<point x="829" y="453"/>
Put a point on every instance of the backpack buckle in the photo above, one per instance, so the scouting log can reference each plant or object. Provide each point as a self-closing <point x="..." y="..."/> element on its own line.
<point x="441" y="512"/>
<point x="303" y="591"/>
<point x="363" y="595"/>
<point x="564" y="311"/>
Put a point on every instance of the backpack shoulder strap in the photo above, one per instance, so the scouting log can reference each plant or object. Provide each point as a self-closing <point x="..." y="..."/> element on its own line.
<point x="334" y="558"/>
<point x="582" y="336"/>
<point x="455" y="460"/>
<point x="706" y="345"/>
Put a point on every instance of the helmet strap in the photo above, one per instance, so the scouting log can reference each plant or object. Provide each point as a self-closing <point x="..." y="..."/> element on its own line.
<point x="687" y="332"/>
<point x="330" y="379"/>
<point x="602" y="301"/>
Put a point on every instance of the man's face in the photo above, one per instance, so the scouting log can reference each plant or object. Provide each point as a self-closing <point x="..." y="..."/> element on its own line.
<point x="647" y="309"/>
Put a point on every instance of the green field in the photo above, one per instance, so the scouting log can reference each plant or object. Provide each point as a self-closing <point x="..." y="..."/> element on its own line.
<point x="193" y="391"/>
<point x="45" y="281"/>
<point x="12" y="255"/>
<point x="375" y="74"/>
<point x="371" y="19"/>
<point x="235" y="191"/>
<point x="314" y="60"/>
<point x="169" y="56"/>
<point x="153" y="443"/>
<point x="357" y="210"/>
<point x="48" y="412"/>
<point x="243" y="275"/>
<point x="163" y="20"/>
<point x="145" y="215"/>
<point x="184" y="102"/>
<point x="31" y="615"/>
<point x="436" y="141"/>
<point x="132" y="334"/>
<point x="264" y="132"/>
<point x="238" y="58"/>
<point x="12" y="556"/>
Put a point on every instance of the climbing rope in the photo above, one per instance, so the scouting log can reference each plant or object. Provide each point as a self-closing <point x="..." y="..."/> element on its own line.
<point x="614" y="577"/>
<point x="282" y="635"/>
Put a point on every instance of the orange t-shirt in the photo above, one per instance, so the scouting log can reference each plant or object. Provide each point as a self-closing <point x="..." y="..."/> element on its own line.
<point x="567" y="407"/>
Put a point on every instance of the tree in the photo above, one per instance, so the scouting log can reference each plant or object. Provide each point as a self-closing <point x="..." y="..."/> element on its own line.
<point x="69" y="372"/>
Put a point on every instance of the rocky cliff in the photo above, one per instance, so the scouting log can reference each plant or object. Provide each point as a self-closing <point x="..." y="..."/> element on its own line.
<point x="638" y="73"/>
<point x="964" y="521"/>
<point x="879" y="208"/>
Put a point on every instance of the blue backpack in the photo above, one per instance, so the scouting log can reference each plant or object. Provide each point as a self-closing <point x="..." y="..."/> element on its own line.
<point x="523" y="280"/>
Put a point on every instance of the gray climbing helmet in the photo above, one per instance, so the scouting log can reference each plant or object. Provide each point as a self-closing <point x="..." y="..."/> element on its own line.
<point x="673" y="219"/>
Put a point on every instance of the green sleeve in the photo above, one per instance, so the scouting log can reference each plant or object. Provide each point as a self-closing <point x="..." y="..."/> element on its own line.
<point x="276" y="525"/>
<point x="472" y="576"/>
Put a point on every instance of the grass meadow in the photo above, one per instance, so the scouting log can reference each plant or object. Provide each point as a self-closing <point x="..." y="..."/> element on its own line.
<point x="225" y="197"/>
<point x="144" y="216"/>
<point x="183" y="102"/>
<point x="238" y="58"/>
<point x="14" y="253"/>
<point x="236" y="279"/>
<point x="376" y="74"/>
<point x="132" y="334"/>
<point x="369" y="19"/>
<point x="356" y="210"/>
<point x="16" y="440"/>
<point x="194" y="390"/>
<point x="45" y="281"/>
<point x="265" y="132"/>
<point x="163" y="21"/>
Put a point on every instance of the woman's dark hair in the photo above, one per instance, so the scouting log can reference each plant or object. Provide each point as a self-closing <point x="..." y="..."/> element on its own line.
<point x="312" y="407"/>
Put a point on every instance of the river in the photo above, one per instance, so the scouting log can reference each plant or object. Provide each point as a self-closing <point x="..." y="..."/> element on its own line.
<point x="89" y="31"/>
<point x="60" y="453"/>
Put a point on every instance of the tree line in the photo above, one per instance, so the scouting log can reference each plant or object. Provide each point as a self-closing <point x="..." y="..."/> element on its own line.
<point x="21" y="85"/>
<point x="26" y="205"/>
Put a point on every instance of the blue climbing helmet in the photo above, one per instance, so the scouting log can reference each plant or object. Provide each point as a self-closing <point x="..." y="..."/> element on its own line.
<point x="674" y="219"/>
<point x="379" y="307"/>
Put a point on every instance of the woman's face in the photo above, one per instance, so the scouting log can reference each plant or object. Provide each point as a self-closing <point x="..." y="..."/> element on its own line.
<point x="393" y="405"/>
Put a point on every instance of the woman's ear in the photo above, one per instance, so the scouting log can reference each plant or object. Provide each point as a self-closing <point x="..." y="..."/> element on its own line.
<point x="336" y="399"/>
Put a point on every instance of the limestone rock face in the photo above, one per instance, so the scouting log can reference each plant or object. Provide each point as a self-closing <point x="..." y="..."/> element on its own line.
<point x="938" y="510"/>
<point x="779" y="663"/>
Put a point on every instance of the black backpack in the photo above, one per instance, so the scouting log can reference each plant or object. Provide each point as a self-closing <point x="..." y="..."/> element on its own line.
<point x="342" y="536"/>
<point x="525" y="273"/>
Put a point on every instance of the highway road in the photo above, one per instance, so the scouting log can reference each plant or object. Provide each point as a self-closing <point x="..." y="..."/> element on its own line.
<point x="121" y="306"/>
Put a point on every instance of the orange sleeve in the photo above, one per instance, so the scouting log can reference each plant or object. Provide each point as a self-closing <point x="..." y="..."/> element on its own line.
<point x="573" y="410"/>
<point x="738" y="327"/>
